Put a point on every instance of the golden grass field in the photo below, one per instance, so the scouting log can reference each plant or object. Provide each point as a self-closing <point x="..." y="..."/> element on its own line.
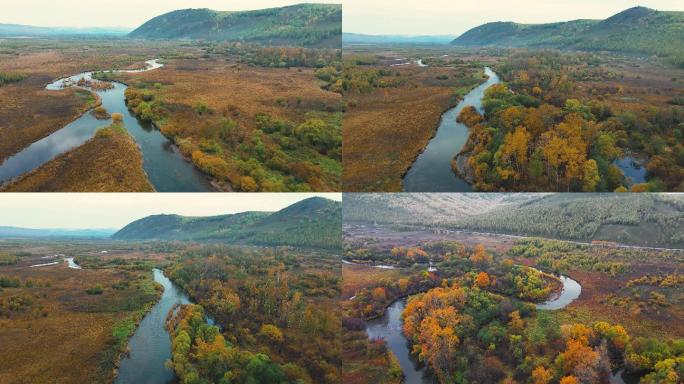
<point x="65" y="335"/>
<point x="387" y="129"/>
<point x="109" y="162"/>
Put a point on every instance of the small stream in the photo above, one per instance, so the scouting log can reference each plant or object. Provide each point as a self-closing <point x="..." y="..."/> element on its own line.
<point x="166" y="168"/>
<point x="150" y="346"/>
<point x="389" y="328"/>
<point x="570" y="292"/>
<point x="432" y="172"/>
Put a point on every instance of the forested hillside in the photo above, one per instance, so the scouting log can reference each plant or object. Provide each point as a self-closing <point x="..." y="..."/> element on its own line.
<point x="314" y="222"/>
<point x="635" y="30"/>
<point x="302" y="24"/>
<point x="424" y="207"/>
<point x="639" y="219"/>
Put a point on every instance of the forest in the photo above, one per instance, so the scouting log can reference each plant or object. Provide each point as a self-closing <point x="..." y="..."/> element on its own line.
<point x="472" y="318"/>
<point x="560" y="121"/>
<point x="276" y="310"/>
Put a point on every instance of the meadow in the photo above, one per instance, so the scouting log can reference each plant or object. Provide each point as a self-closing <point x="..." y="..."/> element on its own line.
<point x="393" y="110"/>
<point x="76" y="320"/>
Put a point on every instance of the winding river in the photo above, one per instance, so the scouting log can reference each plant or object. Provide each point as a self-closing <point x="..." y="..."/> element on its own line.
<point x="389" y="327"/>
<point x="150" y="346"/>
<point x="432" y="172"/>
<point x="166" y="168"/>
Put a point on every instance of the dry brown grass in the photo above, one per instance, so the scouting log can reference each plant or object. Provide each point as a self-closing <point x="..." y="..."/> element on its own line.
<point x="239" y="93"/>
<point x="28" y="112"/>
<point x="64" y="335"/>
<point x="109" y="162"/>
<point x="357" y="277"/>
<point x="387" y="129"/>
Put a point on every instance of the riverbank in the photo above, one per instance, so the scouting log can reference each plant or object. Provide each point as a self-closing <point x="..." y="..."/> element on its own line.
<point x="125" y="330"/>
<point x="109" y="162"/>
<point x="432" y="170"/>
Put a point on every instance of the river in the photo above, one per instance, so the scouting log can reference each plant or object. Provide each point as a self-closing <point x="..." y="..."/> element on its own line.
<point x="389" y="327"/>
<point x="432" y="172"/>
<point x="150" y="346"/>
<point x="165" y="166"/>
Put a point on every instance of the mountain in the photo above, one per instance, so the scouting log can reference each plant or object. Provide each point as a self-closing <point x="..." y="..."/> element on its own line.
<point x="55" y="232"/>
<point x="29" y="30"/>
<point x="357" y="38"/>
<point x="302" y="24"/>
<point x="314" y="222"/>
<point x="636" y="30"/>
<point x="639" y="219"/>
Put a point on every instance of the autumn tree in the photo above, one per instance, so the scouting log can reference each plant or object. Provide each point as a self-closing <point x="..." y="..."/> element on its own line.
<point x="480" y="256"/>
<point x="591" y="176"/>
<point x="482" y="280"/>
<point x="541" y="375"/>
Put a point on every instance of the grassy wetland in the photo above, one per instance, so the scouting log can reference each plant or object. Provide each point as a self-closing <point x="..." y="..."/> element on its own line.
<point x="241" y="110"/>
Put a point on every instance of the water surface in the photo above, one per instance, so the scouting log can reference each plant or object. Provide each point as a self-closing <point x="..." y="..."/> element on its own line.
<point x="432" y="171"/>
<point x="635" y="173"/>
<point x="389" y="328"/>
<point x="571" y="291"/>
<point x="166" y="168"/>
<point x="150" y="346"/>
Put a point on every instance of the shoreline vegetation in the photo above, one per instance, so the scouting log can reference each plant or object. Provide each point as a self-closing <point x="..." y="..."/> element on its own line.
<point x="288" y="143"/>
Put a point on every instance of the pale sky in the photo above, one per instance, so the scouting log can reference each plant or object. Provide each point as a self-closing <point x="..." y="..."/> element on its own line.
<point x="453" y="17"/>
<point x="115" y="210"/>
<point x="116" y="13"/>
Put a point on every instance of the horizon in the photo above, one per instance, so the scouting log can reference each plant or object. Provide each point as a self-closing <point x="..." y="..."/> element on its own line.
<point x="113" y="211"/>
<point x="80" y="14"/>
<point x="445" y="18"/>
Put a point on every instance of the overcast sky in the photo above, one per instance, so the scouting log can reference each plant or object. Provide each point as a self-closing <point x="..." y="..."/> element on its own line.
<point x="111" y="210"/>
<point x="115" y="13"/>
<point x="453" y="17"/>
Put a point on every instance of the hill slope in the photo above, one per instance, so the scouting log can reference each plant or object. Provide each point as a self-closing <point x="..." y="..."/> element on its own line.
<point x="635" y="30"/>
<point x="639" y="219"/>
<point x="302" y="24"/>
<point x="314" y="222"/>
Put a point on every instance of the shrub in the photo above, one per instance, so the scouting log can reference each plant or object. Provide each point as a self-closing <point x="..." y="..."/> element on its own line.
<point x="201" y="108"/>
<point x="96" y="290"/>
<point x="6" y="78"/>
<point x="248" y="184"/>
<point x="7" y="259"/>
